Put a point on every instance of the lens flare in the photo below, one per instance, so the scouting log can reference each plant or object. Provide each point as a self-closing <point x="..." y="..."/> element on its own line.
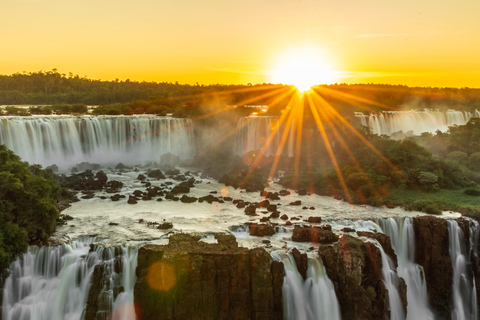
<point x="161" y="276"/>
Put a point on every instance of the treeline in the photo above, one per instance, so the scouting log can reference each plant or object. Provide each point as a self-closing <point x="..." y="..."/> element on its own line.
<point x="28" y="212"/>
<point x="52" y="87"/>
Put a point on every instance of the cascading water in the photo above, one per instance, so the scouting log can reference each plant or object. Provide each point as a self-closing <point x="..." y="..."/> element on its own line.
<point x="464" y="297"/>
<point x="54" y="282"/>
<point x="262" y="132"/>
<point x="389" y="122"/>
<point x="105" y="139"/>
<point x="310" y="299"/>
<point x="402" y="236"/>
<point x="391" y="280"/>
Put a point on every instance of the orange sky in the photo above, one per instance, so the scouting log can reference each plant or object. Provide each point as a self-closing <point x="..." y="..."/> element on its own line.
<point x="425" y="43"/>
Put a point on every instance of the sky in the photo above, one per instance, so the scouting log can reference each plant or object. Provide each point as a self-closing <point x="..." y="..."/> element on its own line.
<point x="411" y="42"/>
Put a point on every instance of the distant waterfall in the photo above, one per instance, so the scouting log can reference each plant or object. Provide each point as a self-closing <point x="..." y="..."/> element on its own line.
<point x="416" y="122"/>
<point x="259" y="132"/>
<point x="103" y="139"/>
<point x="54" y="282"/>
<point x="402" y="236"/>
<point x="464" y="294"/>
<point x="310" y="299"/>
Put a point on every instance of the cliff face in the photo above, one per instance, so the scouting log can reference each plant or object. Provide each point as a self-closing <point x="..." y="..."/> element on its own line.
<point x="187" y="279"/>
<point x="355" y="268"/>
<point x="431" y="252"/>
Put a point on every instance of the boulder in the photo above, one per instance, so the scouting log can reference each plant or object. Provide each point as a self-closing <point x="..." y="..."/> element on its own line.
<point x="260" y="229"/>
<point x="313" y="234"/>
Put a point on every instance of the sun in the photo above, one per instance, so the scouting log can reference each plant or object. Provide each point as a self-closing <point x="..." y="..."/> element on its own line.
<point x="303" y="68"/>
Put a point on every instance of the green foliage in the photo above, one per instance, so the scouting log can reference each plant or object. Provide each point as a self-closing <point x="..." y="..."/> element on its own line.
<point x="428" y="180"/>
<point x="28" y="210"/>
<point x="426" y="206"/>
<point x="472" y="192"/>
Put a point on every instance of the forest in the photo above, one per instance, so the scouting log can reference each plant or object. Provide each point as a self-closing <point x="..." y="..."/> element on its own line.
<point x="54" y="92"/>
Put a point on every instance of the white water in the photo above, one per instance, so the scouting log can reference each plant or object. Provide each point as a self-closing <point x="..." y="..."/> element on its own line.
<point x="52" y="283"/>
<point x="391" y="281"/>
<point x="402" y="236"/>
<point x="259" y="132"/>
<point x="107" y="139"/>
<point x="310" y="299"/>
<point x="389" y="122"/>
<point x="464" y="298"/>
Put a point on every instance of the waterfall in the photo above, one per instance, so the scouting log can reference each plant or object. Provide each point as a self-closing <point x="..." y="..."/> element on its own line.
<point x="389" y="122"/>
<point x="54" y="282"/>
<point x="402" y="237"/>
<point x="464" y="297"/>
<point x="257" y="132"/>
<point x="391" y="281"/>
<point x="310" y="299"/>
<point x="104" y="139"/>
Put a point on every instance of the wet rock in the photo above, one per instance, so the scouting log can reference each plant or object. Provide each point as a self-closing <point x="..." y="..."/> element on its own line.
<point x="180" y="189"/>
<point x="347" y="229"/>
<point x="141" y="177"/>
<point x="288" y="223"/>
<point x="272" y="207"/>
<point x="313" y="234"/>
<point x="187" y="199"/>
<point x="138" y="193"/>
<point x="94" y="292"/>
<point x="263" y="204"/>
<point x="113" y="186"/>
<point x="172" y="172"/>
<point x="210" y="199"/>
<point x="213" y="192"/>
<point x="304" y="208"/>
<point x="296" y="203"/>
<point x="165" y="226"/>
<point x="431" y="252"/>
<point x="314" y="219"/>
<point x="66" y="217"/>
<point x="146" y="198"/>
<point x="117" y="291"/>
<point x="103" y="197"/>
<point x="312" y="208"/>
<point x="88" y="196"/>
<point x="260" y="229"/>
<point x="115" y="197"/>
<point x="284" y="217"/>
<point x="284" y="193"/>
<point x="121" y="166"/>
<point x="275" y="214"/>
<point x="264" y="219"/>
<point x="205" y="274"/>
<point x="357" y="278"/>
<point x="113" y="224"/>
<point x="132" y="200"/>
<point x="301" y="260"/>
<point x="156" y="174"/>
<point x="250" y="210"/>
<point x="384" y="240"/>
<point x="302" y="192"/>
<point x="240" y="205"/>
<point x="159" y="199"/>
<point x="272" y="196"/>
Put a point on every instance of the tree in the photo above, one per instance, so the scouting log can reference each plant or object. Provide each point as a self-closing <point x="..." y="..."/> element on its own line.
<point x="28" y="210"/>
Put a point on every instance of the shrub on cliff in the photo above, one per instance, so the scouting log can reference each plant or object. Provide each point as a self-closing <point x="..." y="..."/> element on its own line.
<point x="28" y="210"/>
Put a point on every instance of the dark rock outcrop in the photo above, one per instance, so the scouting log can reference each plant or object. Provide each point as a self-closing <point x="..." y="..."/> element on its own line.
<point x="301" y="260"/>
<point x="313" y="234"/>
<point x="355" y="268"/>
<point x="431" y="252"/>
<point x="187" y="279"/>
